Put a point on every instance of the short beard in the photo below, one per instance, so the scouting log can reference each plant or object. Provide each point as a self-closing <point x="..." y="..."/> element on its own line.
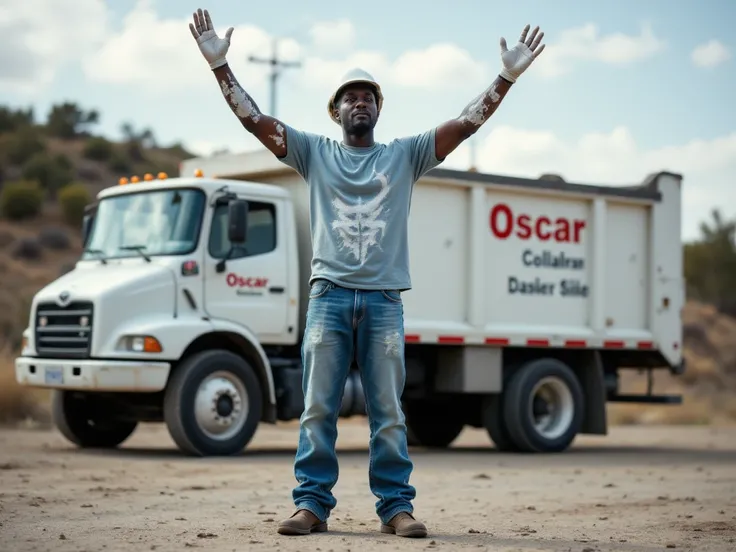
<point x="359" y="130"/>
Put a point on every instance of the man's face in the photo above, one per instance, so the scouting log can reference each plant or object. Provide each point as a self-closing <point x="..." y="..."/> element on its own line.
<point x="358" y="109"/>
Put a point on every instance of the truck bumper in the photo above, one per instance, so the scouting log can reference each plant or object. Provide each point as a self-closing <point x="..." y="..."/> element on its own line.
<point x="92" y="375"/>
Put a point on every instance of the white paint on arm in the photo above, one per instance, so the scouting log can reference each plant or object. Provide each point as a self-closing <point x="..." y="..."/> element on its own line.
<point x="476" y="112"/>
<point x="240" y="102"/>
<point x="278" y="138"/>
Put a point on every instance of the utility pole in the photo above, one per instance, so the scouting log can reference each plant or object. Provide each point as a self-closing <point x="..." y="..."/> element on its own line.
<point x="276" y="66"/>
<point x="472" y="145"/>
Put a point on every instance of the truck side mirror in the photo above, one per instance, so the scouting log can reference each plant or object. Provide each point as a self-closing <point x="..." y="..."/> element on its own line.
<point x="237" y="224"/>
<point x="86" y="227"/>
<point x="87" y="220"/>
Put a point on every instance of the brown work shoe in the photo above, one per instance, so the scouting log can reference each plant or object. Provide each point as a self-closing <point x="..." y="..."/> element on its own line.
<point x="302" y="522"/>
<point x="403" y="524"/>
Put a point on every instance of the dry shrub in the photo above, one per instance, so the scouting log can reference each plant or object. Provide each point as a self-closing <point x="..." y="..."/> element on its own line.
<point x="710" y="334"/>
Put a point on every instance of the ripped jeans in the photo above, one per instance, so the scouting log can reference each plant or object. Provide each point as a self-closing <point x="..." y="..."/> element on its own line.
<point x="368" y="326"/>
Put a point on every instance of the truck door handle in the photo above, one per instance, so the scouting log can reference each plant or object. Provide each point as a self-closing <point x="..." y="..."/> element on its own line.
<point x="276" y="289"/>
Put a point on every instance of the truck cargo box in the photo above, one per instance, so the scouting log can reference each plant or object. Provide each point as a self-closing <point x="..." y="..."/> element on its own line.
<point x="504" y="261"/>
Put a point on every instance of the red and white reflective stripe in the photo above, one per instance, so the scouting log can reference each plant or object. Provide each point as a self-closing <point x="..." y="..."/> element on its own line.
<point x="576" y="343"/>
<point x="498" y="341"/>
<point x="451" y="339"/>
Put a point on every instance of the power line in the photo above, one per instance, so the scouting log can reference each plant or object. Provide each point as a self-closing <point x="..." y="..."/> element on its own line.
<point x="276" y="66"/>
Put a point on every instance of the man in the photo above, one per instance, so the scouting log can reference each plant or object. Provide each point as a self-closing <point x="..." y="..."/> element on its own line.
<point x="360" y="193"/>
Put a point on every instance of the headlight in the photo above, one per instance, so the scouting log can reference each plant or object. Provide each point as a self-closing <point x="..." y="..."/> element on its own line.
<point x="142" y="344"/>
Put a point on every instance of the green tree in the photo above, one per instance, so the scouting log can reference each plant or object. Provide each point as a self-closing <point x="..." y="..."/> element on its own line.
<point x="68" y="120"/>
<point x="710" y="264"/>
<point x="50" y="171"/>
<point x="13" y="119"/>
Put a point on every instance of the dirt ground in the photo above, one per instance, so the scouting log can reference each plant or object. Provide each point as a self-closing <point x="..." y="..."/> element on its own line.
<point x="638" y="489"/>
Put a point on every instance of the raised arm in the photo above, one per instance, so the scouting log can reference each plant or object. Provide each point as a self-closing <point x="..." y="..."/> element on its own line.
<point x="515" y="61"/>
<point x="269" y="130"/>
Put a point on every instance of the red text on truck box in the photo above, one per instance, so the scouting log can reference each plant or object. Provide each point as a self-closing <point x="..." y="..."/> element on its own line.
<point x="504" y="222"/>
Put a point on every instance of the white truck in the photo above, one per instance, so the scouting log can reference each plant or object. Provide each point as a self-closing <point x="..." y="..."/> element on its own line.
<point x="529" y="297"/>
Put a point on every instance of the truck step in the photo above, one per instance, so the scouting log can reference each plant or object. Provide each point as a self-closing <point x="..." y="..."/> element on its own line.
<point x="650" y="399"/>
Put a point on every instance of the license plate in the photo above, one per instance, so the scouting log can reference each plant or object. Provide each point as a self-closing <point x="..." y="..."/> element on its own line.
<point x="54" y="375"/>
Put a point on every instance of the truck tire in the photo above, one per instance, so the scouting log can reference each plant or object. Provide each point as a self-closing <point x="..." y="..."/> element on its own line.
<point x="495" y="424"/>
<point x="84" y="423"/>
<point x="213" y="404"/>
<point x="430" y="425"/>
<point x="543" y="406"/>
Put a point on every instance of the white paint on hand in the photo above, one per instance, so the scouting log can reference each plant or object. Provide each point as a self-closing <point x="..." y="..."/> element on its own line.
<point x="240" y="101"/>
<point x="278" y="138"/>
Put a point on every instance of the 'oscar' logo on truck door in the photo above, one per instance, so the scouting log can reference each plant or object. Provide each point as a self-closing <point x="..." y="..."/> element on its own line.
<point x="504" y="222"/>
<point x="246" y="285"/>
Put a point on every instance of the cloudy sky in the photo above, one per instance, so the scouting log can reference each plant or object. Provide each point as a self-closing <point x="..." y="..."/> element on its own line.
<point x="623" y="88"/>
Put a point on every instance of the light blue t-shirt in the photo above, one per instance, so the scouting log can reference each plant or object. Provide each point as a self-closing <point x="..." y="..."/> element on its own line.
<point x="359" y="200"/>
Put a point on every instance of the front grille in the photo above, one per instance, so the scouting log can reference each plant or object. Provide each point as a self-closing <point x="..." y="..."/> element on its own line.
<point x="64" y="332"/>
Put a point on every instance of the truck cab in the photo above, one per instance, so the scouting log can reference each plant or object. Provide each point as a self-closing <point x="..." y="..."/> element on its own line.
<point x="189" y="272"/>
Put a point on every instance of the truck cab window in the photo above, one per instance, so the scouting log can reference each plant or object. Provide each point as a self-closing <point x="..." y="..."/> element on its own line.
<point x="261" y="234"/>
<point x="166" y="222"/>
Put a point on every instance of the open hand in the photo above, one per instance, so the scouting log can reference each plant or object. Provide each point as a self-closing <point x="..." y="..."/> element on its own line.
<point x="520" y="57"/>
<point x="213" y="48"/>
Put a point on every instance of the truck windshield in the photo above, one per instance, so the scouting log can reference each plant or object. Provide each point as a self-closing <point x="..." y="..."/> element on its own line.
<point x="166" y="222"/>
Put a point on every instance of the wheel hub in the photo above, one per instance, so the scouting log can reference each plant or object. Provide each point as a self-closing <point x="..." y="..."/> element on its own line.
<point x="221" y="405"/>
<point x="225" y="405"/>
<point x="552" y="408"/>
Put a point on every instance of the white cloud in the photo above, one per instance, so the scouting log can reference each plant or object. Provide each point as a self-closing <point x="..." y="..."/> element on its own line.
<point x="708" y="166"/>
<point x="585" y="43"/>
<point x="204" y="148"/>
<point x="322" y="74"/>
<point x="156" y="54"/>
<point x="710" y="54"/>
<point x="160" y="54"/>
<point x="438" y="65"/>
<point x="40" y="37"/>
<point x="333" y="35"/>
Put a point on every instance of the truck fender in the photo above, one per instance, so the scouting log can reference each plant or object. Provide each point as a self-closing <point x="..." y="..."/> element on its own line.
<point x="264" y="366"/>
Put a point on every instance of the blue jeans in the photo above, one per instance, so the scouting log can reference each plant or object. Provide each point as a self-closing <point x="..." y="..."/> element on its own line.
<point x="367" y="326"/>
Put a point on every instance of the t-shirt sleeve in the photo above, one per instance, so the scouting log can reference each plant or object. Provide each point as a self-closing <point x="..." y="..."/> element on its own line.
<point x="422" y="152"/>
<point x="299" y="146"/>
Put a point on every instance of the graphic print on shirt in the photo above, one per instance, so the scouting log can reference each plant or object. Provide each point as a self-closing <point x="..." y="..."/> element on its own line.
<point x="358" y="226"/>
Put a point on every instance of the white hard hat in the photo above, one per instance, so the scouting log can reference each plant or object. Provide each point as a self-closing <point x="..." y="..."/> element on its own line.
<point x="353" y="76"/>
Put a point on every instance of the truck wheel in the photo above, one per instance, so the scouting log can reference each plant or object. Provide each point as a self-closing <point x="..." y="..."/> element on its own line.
<point x="493" y="421"/>
<point x="213" y="404"/>
<point x="430" y="425"/>
<point x="84" y="422"/>
<point x="543" y="406"/>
